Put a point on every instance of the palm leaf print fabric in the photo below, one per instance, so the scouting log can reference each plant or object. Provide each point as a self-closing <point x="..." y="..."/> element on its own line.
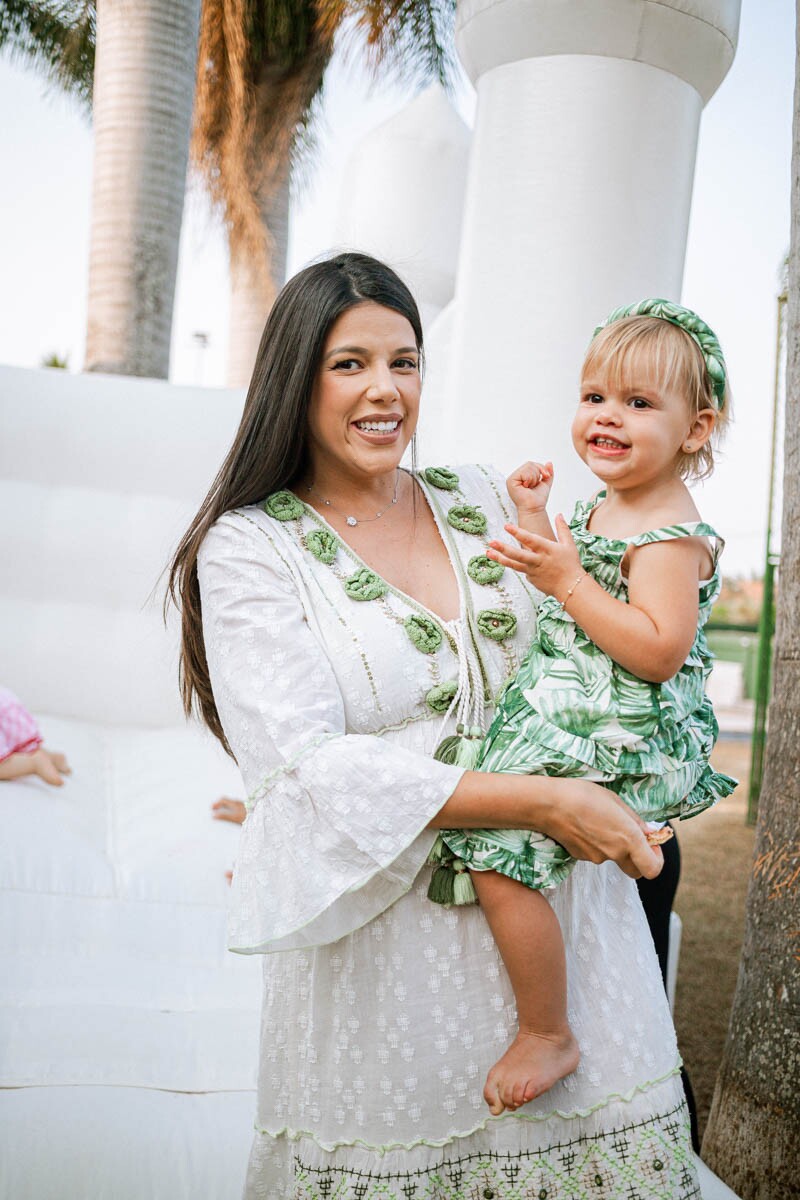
<point x="572" y="711"/>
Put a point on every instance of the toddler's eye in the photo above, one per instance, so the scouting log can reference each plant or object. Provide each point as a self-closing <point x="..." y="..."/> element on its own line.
<point x="593" y="398"/>
<point x="639" y="402"/>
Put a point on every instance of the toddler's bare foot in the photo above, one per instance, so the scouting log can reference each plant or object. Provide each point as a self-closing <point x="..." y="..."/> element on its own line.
<point x="60" y="761"/>
<point x="530" y="1066"/>
<point x="227" y="809"/>
<point x="49" y="766"/>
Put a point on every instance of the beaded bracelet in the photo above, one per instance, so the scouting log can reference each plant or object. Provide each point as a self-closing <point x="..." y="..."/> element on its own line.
<point x="580" y="579"/>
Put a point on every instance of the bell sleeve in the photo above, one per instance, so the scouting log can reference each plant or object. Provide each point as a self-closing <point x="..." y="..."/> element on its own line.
<point x="337" y="827"/>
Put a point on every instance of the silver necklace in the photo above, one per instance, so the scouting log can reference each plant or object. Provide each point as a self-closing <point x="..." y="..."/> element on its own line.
<point x="350" y="519"/>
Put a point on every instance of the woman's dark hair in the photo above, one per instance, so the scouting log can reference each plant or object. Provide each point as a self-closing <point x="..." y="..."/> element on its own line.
<point x="270" y="450"/>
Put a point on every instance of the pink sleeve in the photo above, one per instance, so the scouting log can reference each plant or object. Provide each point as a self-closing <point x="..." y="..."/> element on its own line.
<point x="19" y="732"/>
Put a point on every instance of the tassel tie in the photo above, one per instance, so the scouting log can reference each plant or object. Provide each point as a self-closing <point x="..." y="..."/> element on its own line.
<point x="450" y="882"/>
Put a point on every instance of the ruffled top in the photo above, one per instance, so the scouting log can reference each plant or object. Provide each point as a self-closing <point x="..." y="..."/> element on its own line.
<point x="586" y="708"/>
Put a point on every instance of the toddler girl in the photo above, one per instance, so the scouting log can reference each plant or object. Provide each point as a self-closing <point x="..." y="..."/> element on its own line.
<point x="613" y="686"/>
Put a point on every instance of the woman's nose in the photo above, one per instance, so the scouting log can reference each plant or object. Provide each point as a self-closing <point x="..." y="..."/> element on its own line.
<point x="382" y="386"/>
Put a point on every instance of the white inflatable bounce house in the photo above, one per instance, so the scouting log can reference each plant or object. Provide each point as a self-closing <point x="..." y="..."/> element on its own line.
<point x="128" y="1034"/>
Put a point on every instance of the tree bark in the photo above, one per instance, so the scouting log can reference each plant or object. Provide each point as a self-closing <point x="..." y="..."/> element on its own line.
<point x="255" y="283"/>
<point x="753" y="1135"/>
<point x="143" y="96"/>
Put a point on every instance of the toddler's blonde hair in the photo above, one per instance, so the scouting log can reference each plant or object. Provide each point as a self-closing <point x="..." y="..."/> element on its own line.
<point x="640" y="349"/>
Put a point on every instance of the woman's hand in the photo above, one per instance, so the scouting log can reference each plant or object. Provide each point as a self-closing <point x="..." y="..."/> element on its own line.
<point x="551" y="566"/>
<point x="590" y="822"/>
<point x="593" y="824"/>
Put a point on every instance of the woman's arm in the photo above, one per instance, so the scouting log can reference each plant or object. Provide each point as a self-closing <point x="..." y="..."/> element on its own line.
<point x="652" y="634"/>
<point x="590" y="822"/>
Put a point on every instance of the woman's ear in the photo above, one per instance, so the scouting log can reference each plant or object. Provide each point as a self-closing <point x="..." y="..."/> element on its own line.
<point x="700" y="430"/>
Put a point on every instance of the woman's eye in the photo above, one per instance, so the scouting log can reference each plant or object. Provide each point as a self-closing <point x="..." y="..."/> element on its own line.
<point x="406" y="364"/>
<point x="345" y="364"/>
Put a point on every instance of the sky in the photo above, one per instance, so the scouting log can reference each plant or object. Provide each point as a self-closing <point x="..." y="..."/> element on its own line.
<point x="738" y="238"/>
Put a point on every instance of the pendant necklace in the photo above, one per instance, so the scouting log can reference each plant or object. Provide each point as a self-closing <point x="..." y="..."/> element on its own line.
<point x="351" y="520"/>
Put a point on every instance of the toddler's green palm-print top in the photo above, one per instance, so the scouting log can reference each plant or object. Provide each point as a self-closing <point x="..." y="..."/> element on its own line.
<point x="572" y="711"/>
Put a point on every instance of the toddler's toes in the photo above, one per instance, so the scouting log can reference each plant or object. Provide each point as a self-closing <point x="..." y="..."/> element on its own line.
<point x="491" y="1094"/>
<point x="46" y="769"/>
<point x="60" y="762"/>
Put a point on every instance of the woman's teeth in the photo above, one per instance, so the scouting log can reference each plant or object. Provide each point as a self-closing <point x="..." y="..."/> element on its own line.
<point x="377" y="426"/>
<point x="609" y="442"/>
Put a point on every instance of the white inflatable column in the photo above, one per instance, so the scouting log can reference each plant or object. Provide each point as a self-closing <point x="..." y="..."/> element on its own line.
<point x="403" y="193"/>
<point x="578" y="200"/>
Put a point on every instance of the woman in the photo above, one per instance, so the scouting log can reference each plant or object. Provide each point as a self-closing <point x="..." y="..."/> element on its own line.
<point x="340" y="617"/>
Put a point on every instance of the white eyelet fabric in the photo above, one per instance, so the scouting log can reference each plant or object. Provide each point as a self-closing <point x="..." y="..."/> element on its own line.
<point x="383" y="1012"/>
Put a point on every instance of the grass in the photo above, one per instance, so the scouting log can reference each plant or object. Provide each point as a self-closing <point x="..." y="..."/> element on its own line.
<point x="716" y="851"/>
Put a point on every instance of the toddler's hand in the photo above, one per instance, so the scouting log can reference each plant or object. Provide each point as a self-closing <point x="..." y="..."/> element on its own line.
<point x="552" y="567"/>
<point x="529" y="486"/>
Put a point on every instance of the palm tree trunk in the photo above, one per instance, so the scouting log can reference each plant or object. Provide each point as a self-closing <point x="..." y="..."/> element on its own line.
<point x="255" y="284"/>
<point x="753" y="1135"/>
<point x="143" y="94"/>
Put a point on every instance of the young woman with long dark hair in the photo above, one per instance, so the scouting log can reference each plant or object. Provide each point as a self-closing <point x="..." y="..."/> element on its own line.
<point x="340" y="618"/>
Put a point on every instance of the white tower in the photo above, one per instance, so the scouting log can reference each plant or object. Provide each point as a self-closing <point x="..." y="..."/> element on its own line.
<point x="578" y="198"/>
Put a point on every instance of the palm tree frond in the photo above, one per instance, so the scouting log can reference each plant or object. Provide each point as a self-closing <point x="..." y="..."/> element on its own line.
<point x="260" y="65"/>
<point x="58" y="36"/>
<point x="413" y="39"/>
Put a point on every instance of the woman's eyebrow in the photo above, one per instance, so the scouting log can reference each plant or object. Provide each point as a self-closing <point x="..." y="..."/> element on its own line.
<point x="364" y="351"/>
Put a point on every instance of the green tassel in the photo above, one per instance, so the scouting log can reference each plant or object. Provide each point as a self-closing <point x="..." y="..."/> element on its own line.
<point x="440" y="889"/>
<point x="461" y="749"/>
<point x="463" y="887"/>
<point x="438" y="851"/>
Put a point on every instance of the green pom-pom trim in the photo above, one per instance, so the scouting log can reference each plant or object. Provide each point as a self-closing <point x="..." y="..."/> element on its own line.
<point x="440" y="697"/>
<point x="424" y="633"/>
<point x="484" y="570"/>
<point x="441" y="477"/>
<point x="497" y="625"/>
<point x="365" y="585"/>
<point x="284" y="506"/>
<point x="323" y="545"/>
<point x="467" y="518"/>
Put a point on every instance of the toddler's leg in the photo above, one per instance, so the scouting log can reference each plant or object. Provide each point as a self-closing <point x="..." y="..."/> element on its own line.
<point x="49" y="766"/>
<point x="529" y="939"/>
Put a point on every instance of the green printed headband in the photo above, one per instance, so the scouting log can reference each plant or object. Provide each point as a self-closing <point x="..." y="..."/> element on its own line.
<point x="689" y="321"/>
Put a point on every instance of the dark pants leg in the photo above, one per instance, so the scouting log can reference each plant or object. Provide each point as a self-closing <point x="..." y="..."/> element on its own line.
<point x="657" y="896"/>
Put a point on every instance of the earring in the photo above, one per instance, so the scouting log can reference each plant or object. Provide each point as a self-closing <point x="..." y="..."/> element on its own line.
<point x="687" y="449"/>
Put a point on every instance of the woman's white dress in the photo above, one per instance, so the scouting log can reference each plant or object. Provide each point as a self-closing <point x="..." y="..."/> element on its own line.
<point x="382" y="1011"/>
